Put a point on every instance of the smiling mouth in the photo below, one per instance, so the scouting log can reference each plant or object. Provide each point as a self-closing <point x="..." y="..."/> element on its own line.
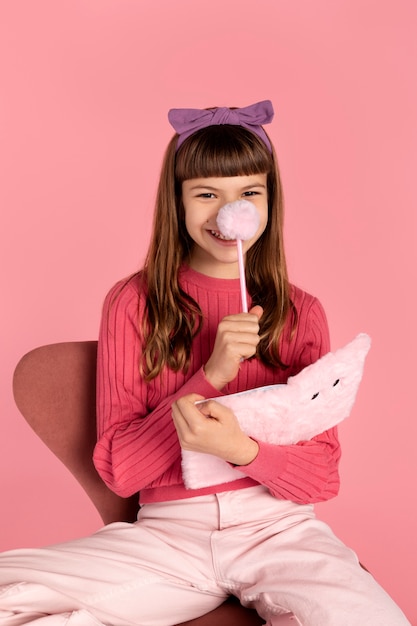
<point x="218" y="235"/>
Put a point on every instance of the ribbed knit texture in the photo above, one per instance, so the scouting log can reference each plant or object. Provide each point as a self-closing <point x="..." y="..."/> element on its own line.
<point x="138" y="448"/>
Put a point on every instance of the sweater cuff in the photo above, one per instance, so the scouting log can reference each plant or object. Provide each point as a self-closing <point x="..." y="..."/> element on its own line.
<point x="269" y="456"/>
<point x="198" y="383"/>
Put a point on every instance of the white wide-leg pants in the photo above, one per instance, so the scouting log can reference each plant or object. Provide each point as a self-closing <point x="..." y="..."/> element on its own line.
<point x="181" y="559"/>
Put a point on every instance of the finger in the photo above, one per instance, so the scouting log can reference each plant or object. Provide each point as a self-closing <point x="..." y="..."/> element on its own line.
<point x="256" y="310"/>
<point x="244" y="326"/>
<point x="192" y="398"/>
<point x="243" y="318"/>
<point x="184" y="430"/>
<point x="185" y="412"/>
<point x="177" y="418"/>
<point x="216" y="410"/>
<point x="239" y="346"/>
<point x="241" y="335"/>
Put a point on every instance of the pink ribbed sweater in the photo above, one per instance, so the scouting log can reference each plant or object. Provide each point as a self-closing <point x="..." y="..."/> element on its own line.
<point x="138" y="449"/>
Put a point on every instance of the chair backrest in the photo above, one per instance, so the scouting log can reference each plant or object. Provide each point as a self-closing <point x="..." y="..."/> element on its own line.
<point x="54" y="389"/>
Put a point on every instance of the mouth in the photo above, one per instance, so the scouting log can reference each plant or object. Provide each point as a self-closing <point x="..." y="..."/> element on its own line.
<point x="218" y="235"/>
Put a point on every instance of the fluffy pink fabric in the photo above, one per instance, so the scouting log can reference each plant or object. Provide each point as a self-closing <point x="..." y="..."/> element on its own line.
<point x="318" y="398"/>
<point x="238" y="220"/>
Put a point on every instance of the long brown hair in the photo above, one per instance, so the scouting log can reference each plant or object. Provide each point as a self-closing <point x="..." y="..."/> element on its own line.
<point x="172" y="317"/>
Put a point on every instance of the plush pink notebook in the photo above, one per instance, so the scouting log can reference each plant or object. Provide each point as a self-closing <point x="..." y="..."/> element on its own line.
<point x="319" y="397"/>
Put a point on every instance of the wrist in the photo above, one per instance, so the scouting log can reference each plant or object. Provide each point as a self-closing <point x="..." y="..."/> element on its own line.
<point x="247" y="452"/>
<point x="213" y="379"/>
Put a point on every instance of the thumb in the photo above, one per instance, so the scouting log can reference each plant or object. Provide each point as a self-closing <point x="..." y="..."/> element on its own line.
<point x="257" y="310"/>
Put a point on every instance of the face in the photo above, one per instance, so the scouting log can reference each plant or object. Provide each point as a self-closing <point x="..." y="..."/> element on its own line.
<point x="202" y="199"/>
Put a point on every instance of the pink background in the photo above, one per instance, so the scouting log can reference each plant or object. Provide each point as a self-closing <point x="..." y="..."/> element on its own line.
<point x="85" y="88"/>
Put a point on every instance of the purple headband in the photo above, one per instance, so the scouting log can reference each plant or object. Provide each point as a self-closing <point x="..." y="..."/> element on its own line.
<point x="187" y="121"/>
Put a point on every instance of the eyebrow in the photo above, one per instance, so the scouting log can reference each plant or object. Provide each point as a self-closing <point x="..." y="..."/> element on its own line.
<point x="217" y="189"/>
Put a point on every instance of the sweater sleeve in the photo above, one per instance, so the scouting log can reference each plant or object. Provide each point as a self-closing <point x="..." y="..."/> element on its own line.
<point x="308" y="471"/>
<point x="135" y="445"/>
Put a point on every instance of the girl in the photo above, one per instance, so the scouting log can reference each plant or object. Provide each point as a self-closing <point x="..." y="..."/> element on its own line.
<point x="173" y="334"/>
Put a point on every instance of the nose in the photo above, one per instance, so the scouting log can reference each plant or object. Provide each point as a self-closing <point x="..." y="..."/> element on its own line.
<point x="238" y="220"/>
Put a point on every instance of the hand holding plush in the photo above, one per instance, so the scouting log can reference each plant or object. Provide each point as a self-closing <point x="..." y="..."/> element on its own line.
<point x="316" y="399"/>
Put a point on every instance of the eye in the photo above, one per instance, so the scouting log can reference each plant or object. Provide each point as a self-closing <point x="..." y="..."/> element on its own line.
<point x="250" y="193"/>
<point x="314" y="396"/>
<point x="206" y="195"/>
<point x="336" y="382"/>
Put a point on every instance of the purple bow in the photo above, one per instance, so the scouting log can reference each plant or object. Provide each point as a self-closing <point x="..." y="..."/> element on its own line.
<point x="187" y="121"/>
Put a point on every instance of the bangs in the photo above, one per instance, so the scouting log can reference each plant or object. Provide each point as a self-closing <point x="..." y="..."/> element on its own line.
<point x="223" y="150"/>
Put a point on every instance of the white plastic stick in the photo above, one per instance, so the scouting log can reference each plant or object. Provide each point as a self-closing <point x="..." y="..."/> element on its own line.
<point x="242" y="275"/>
